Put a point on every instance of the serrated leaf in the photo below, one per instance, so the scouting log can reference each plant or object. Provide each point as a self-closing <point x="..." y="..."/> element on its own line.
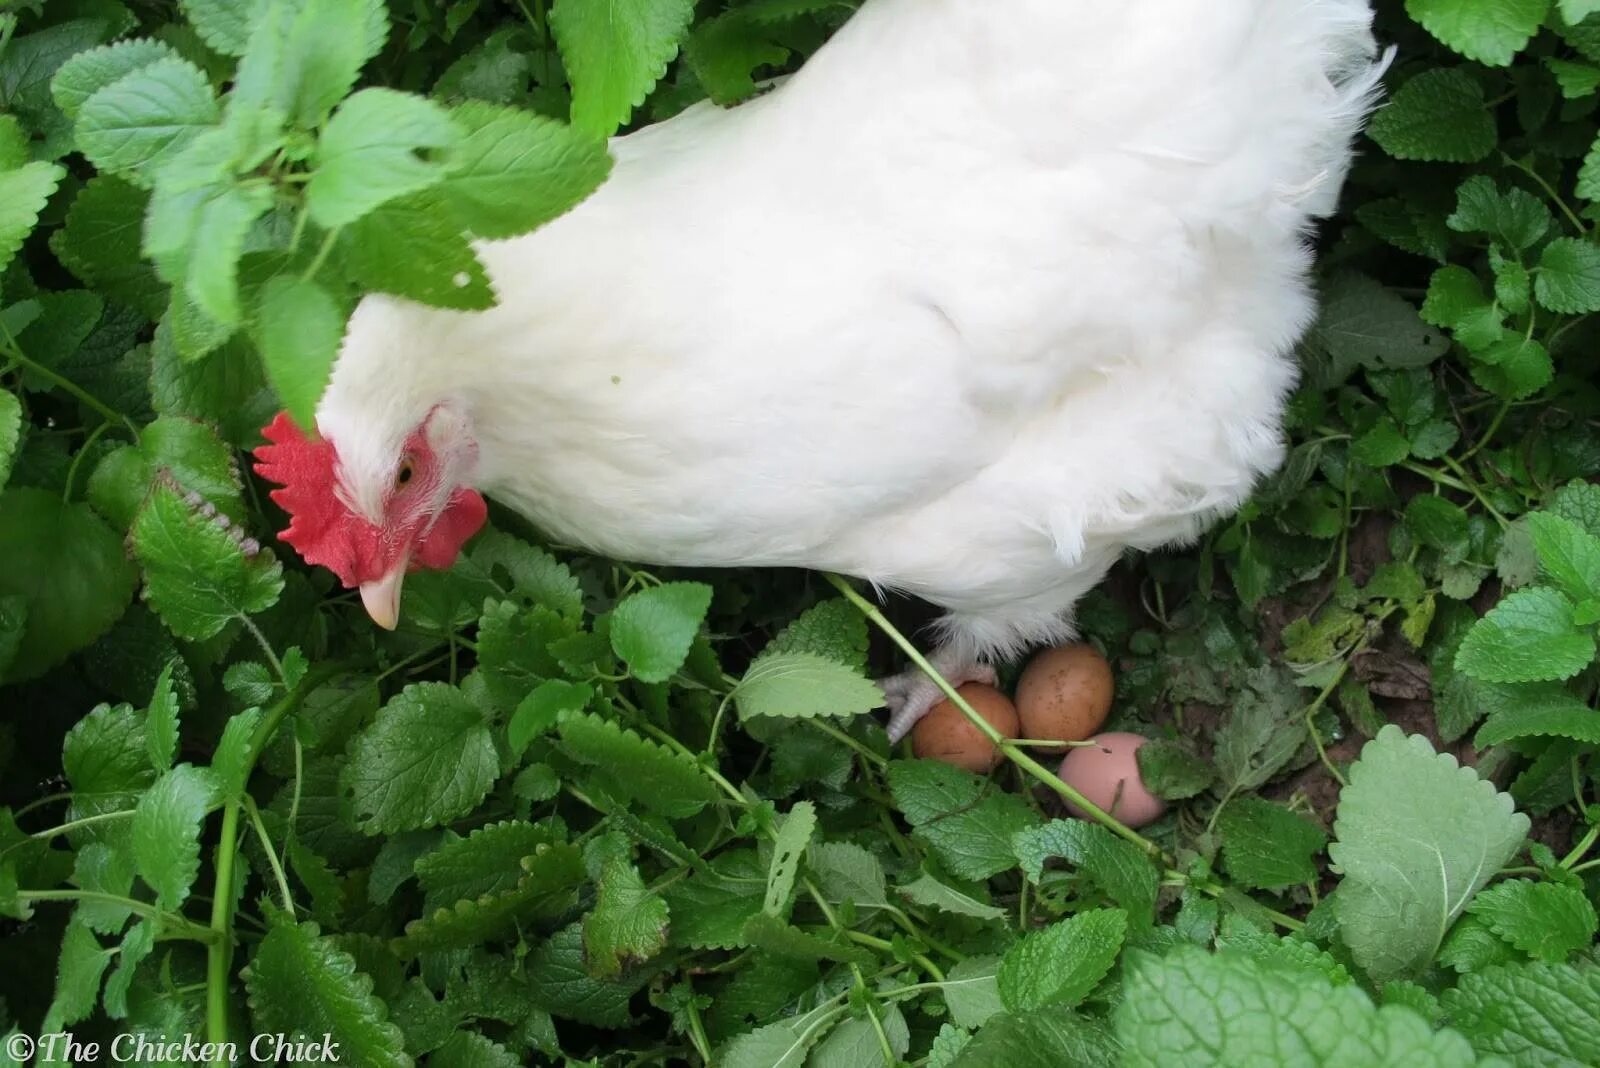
<point x="784" y="1044"/>
<point x="100" y="869"/>
<point x="614" y="52"/>
<point x="1535" y="1014"/>
<point x="373" y="151"/>
<point x="1416" y="836"/>
<point x="1194" y="1008"/>
<point x="1548" y="921"/>
<point x="658" y="778"/>
<point x="82" y="962"/>
<point x="301" y="58"/>
<point x="224" y="24"/>
<point x="803" y="686"/>
<point x="546" y="889"/>
<point x="833" y="630"/>
<point x="1536" y="712"/>
<point x="968" y="822"/>
<point x="1568" y="276"/>
<point x="847" y="872"/>
<point x="1062" y="963"/>
<point x="1267" y="847"/>
<point x="856" y="1041"/>
<point x="145" y="118"/>
<point x="86" y="73"/>
<point x="428" y="758"/>
<point x="559" y="983"/>
<point x="1489" y="31"/>
<point x="1568" y="555"/>
<point x="543" y="708"/>
<point x="629" y="921"/>
<point x="1439" y="114"/>
<point x="1053" y="1037"/>
<point x="24" y="192"/>
<point x="299" y="327"/>
<point x="770" y="934"/>
<point x="189" y="451"/>
<point x="412" y="248"/>
<point x="653" y="628"/>
<point x="1262" y="734"/>
<point x="198" y="576"/>
<point x="137" y="944"/>
<point x="513" y="171"/>
<point x="1530" y="636"/>
<point x="1515" y="218"/>
<point x="794" y="834"/>
<point x="710" y="908"/>
<point x="928" y="891"/>
<point x="301" y="984"/>
<point x="1366" y="324"/>
<point x="230" y="764"/>
<point x="535" y="575"/>
<point x="1120" y="869"/>
<point x="166" y="832"/>
<point x="10" y="436"/>
<point x="161" y="722"/>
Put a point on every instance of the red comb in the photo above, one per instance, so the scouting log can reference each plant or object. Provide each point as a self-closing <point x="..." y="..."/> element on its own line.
<point x="321" y="528"/>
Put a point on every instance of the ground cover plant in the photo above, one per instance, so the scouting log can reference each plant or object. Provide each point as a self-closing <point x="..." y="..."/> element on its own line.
<point x="576" y="811"/>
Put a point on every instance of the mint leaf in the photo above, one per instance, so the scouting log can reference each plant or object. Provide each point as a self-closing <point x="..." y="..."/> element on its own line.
<point x="561" y="986"/>
<point x="543" y="707"/>
<point x="86" y="73"/>
<point x="1440" y="115"/>
<point x="653" y="628"/>
<point x="658" y="778"/>
<point x="1536" y="1014"/>
<point x="966" y="820"/>
<point x="487" y="861"/>
<point x="230" y="763"/>
<point x="1194" y="1008"/>
<point x="24" y="191"/>
<point x="711" y="907"/>
<point x="10" y="436"/>
<point x="428" y="758"/>
<point x="1171" y="771"/>
<point x="1489" y="31"/>
<point x="1516" y="218"/>
<point x="1267" y="847"/>
<point x="614" y="52"/>
<point x="628" y="924"/>
<point x="784" y="1044"/>
<point x="1568" y="276"/>
<point x="926" y="890"/>
<point x="373" y="151"/>
<point x="855" y="1042"/>
<point x="1052" y="1037"/>
<point x="1416" y="836"/>
<point x="161" y="722"/>
<point x="1062" y="963"/>
<point x="1578" y="502"/>
<point x="547" y="890"/>
<point x="82" y="962"/>
<point x="514" y="171"/>
<point x="833" y="630"/>
<point x="794" y="834"/>
<point x="1530" y="636"/>
<point x="199" y="576"/>
<point x="146" y="118"/>
<point x="803" y="685"/>
<point x="223" y="24"/>
<point x="299" y="328"/>
<point x="1550" y="921"/>
<point x="189" y="451"/>
<point x="847" y="872"/>
<point x="301" y="58"/>
<point x="1120" y="869"/>
<point x="535" y="575"/>
<point x="1568" y="555"/>
<point x="1536" y="711"/>
<point x="413" y="248"/>
<point x="166" y="832"/>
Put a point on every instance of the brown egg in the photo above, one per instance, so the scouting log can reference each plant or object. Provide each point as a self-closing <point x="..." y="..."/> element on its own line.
<point x="1064" y="694"/>
<point x="1107" y="773"/>
<point x="945" y="734"/>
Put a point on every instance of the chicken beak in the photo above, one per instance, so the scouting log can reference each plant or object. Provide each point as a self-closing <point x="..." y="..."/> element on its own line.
<point x="381" y="597"/>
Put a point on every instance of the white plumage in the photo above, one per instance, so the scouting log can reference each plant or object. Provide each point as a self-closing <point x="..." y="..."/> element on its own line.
<point x="988" y="292"/>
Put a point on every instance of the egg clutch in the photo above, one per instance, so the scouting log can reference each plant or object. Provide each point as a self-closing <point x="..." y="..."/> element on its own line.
<point x="1064" y="695"/>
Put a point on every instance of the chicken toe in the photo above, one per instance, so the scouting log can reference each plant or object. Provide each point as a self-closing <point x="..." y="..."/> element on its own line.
<point x="910" y="694"/>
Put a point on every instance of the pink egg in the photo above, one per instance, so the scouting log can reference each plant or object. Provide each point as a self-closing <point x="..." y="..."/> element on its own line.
<point x="1107" y="773"/>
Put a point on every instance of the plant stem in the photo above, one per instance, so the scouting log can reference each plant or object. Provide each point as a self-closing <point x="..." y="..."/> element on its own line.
<point x="87" y="821"/>
<point x="176" y="924"/>
<point x="69" y="386"/>
<point x="272" y="856"/>
<point x="1582" y="847"/>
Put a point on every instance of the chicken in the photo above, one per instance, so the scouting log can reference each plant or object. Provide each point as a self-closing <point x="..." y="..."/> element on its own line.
<point x="984" y="295"/>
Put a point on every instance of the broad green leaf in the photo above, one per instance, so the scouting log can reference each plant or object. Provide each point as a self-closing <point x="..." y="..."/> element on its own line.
<point x="1199" y="1009"/>
<point x="199" y="575"/>
<point x="968" y="821"/>
<point x="1171" y="771"/>
<point x="224" y="24"/>
<point x="548" y="889"/>
<point x="1438" y="523"/>
<point x="412" y="248"/>
<point x="1516" y="218"/>
<point x="1262" y="734"/>
<point x="1530" y="636"/>
<point x="847" y="872"/>
<point x="513" y="649"/>
<point x="231" y="762"/>
<point x="711" y="907"/>
<point x="513" y="171"/>
<point x="628" y="924"/>
<point x="487" y="861"/>
<point x="1549" y="921"/>
<point x="794" y="834"/>
<point x="1382" y="446"/>
<point x="614" y="52"/>
<point x="658" y="778"/>
<point x="1513" y="367"/>
<point x="769" y="934"/>
<point x="804" y="685"/>
<point x="227" y="388"/>
<point x="86" y="73"/>
<point x="1366" y="324"/>
<point x="138" y="944"/>
<point x="469" y="1049"/>
<point x="1489" y="31"/>
<point x="161" y="722"/>
<point x="1577" y="80"/>
<point x="1294" y="953"/>
<point x="301" y="983"/>
<point x="190" y="452"/>
<point x="100" y="243"/>
<point x="1121" y="870"/>
<point x="542" y="709"/>
<point x="69" y="571"/>
<point x="536" y="576"/>
<point x="926" y="890"/>
<point x="166" y="832"/>
<point x="145" y="118"/>
<point x="24" y="192"/>
<point x="1536" y="711"/>
<point x="1575" y="11"/>
<point x="106" y="760"/>
<point x="1062" y="963"/>
<point x="100" y="869"/>
<point x="972" y="991"/>
<point x="653" y="628"/>
<point x="378" y="146"/>
<point x="1266" y="846"/>
<point x="428" y="758"/>
<point x="833" y="630"/>
<point x="1416" y="836"/>
<point x="299" y="326"/>
<point x="1532" y="1013"/>
<point x="1440" y="115"/>
<point x="784" y="1044"/>
<point x="82" y="962"/>
<point x="1568" y="276"/>
<point x="1568" y="555"/>
<point x="560" y="985"/>
<point x="1052" y="1037"/>
<point x="302" y="57"/>
<point x="10" y="436"/>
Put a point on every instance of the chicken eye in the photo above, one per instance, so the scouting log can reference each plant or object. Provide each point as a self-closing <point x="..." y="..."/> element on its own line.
<point x="403" y="476"/>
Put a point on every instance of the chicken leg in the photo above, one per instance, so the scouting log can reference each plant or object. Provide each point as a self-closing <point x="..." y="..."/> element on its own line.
<point x="911" y="694"/>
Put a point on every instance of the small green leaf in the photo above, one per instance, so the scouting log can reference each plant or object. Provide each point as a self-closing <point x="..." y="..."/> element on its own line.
<point x="628" y="924"/>
<point x="514" y="171"/>
<point x="1267" y="847"/>
<point x="412" y="248"/>
<point x="1568" y="555"/>
<point x="24" y="192"/>
<point x="189" y="451"/>
<point x="230" y="764"/>
<point x="653" y="628"/>
<point x="541" y="709"/>
<point x="428" y="758"/>
<point x="614" y="52"/>
<point x="833" y="630"/>
<point x="847" y="872"/>
<point x="301" y="58"/>
<point x="487" y="861"/>
<point x="1516" y="218"/>
<point x="161" y="722"/>
<point x="82" y="962"/>
<point x="166" y="832"/>
<point x="86" y="73"/>
<point x="1440" y="115"/>
<point x="1489" y="31"/>
<point x="658" y="778"/>
<point x="1120" y="869"/>
<point x="373" y="151"/>
<point x="559" y="983"/>
<point x="790" y="845"/>
<point x="1530" y="636"/>
<point x="968" y="822"/>
<point x="10" y="436"/>
<point x="145" y="118"/>
<point x="546" y="891"/>
<point x="926" y="890"/>
<point x="1382" y="446"/>
<point x="803" y="685"/>
<point x="299" y="327"/>
<point x="1568" y="276"/>
<point x="1550" y="921"/>
<point x="223" y="24"/>
<point x="1062" y="963"/>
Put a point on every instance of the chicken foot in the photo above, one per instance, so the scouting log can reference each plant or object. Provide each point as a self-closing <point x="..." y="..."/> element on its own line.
<point x="911" y="694"/>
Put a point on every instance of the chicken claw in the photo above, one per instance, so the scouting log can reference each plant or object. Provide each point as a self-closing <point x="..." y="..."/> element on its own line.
<point x="911" y="693"/>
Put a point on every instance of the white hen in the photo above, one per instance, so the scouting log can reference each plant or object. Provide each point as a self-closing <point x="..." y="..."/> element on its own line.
<point x="985" y="294"/>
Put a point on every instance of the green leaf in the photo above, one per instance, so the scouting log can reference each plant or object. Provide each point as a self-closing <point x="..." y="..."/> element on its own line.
<point x="784" y="1044"/>
<point x="1366" y="324"/>
<point x="1489" y="31"/>
<point x="1568" y="276"/>
<point x="468" y="1049"/>
<point x="377" y="147"/>
<point x="1438" y="523"/>
<point x="653" y="628"/>
<point x="847" y="872"/>
<point x="769" y="934"/>
<point x="1267" y="847"/>
<point x="1439" y="115"/>
<point x="1578" y="502"/>
<point x="541" y="709"/>
<point x="224" y="24"/>
<point x="166" y="832"/>
<point x="230" y="763"/>
<point x="972" y="991"/>
<point x="1516" y="218"/>
<point x="101" y="869"/>
<point x="514" y="171"/>
<point x="1535" y="711"/>
<point x="1530" y="636"/>
<point x="1053" y="1037"/>
<point x="487" y="861"/>
<point x="82" y="962"/>
<point x="1416" y="836"/>
<point x="1575" y="11"/>
<point x="966" y="820"/>
<point x="69" y="571"/>
<point x="428" y="758"/>
<point x="1120" y="869"/>
<point x="1568" y="555"/>
<point x="1535" y="1014"/>
<point x="833" y="630"/>
<point x="1577" y="80"/>
<point x="710" y="908"/>
<point x="614" y="52"/>
<point x="24" y="192"/>
<point x="658" y="778"/>
<point x="536" y="576"/>
<point x="161" y="722"/>
<point x="802" y="686"/>
<point x="138" y="944"/>
<point x="1262" y="734"/>
<point x="787" y="848"/>
<point x="856" y="1041"/>
<point x="301" y="983"/>
<point x="926" y="890"/>
<point x="10" y="436"/>
<point x="559" y="983"/>
<point x="301" y="58"/>
<point x="1195" y="1008"/>
<point x="1513" y="367"/>
<point x="1062" y="963"/>
<point x="546" y="891"/>
<point x="1549" y="921"/>
<point x="189" y="451"/>
<point x="412" y="248"/>
<point x="146" y="118"/>
<point x="299" y="326"/>
<point x="628" y="924"/>
<point x="199" y="575"/>
<point x="1171" y="771"/>
<point x="86" y="73"/>
<point x="1382" y="446"/>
